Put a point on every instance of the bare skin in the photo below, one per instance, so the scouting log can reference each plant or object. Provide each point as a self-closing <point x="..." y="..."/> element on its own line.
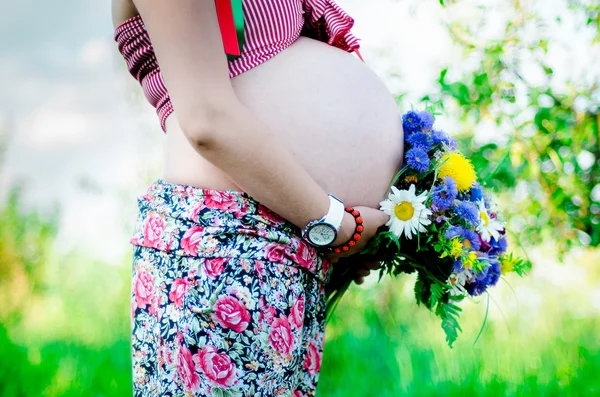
<point x="311" y="120"/>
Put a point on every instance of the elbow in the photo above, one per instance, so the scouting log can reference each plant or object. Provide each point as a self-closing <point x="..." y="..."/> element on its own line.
<point x="201" y="134"/>
<point x="205" y="127"/>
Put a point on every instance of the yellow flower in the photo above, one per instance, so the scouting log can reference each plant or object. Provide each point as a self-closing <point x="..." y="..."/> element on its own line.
<point x="470" y="261"/>
<point x="458" y="167"/>
<point x="507" y="263"/>
<point x="411" y="179"/>
<point x="457" y="248"/>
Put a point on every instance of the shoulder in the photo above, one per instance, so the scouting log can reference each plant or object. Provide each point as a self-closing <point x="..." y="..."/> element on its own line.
<point x="122" y="10"/>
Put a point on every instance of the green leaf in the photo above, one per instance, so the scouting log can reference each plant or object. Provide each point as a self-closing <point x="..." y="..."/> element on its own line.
<point x="522" y="266"/>
<point x="449" y="314"/>
<point x="436" y="294"/>
<point x="420" y="289"/>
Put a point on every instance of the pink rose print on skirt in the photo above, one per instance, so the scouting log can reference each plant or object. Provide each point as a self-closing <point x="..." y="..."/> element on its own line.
<point x="275" y="253"/>
<point x="143" y="288"/>
<point x="218" y="368"/>
<point x="153" y="231"/>
<point x="297" y="312"/>
<point x="178" y="290"/>
<point x="214" y="267"/>
<point x="259" y="266"/>
<point x="269" y="215"/>
<point x="220" y="201"/>
<point x="305" y="257"/>
<point x="312" y="361"/>
<point x="281" y="337"/>
<point x="231" y="313"/>
<point x="187" y="370"/>
<point x="298" y="393"/>
<point x="191" y="239"/>
<point x="267" y="312"/>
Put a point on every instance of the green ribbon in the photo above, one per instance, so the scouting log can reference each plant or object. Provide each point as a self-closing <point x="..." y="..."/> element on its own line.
<point x="238" y="20"/>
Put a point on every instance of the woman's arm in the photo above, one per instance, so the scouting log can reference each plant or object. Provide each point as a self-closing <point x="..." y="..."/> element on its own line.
<point x="122" y="10"/>
<point x="187" y="42"/>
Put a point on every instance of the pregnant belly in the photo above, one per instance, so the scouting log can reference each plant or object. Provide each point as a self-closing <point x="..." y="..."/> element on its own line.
<point x="332" y="112"/>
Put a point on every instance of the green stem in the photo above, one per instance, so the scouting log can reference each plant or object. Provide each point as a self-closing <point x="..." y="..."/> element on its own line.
<point x="487" y="309"/>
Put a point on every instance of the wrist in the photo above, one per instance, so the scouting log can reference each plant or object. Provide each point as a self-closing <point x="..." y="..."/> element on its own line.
<point x="346" y="230"/>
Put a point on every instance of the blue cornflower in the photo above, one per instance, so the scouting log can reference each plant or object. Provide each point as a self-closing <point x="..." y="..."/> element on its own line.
<point x="426" y="120"/>
<point x="468" y="237"/>
<point x="476" y="192"/>
<point x="477" y="288"/>
<point x="419" y="139"/>
<point x="444" y="195"/>
<point x="451" y="143"/>
<point x="494" y="272"/>
<point x="458" y="267"/>
<point x="498" y="247"/>
<point x="484" y="274"/>
<point x="438" y="136"/>
<point x="411" y="122"/>
<point x="468" y="212"/>
<point x="482" y="278"/>
<point x="417" y="159"/>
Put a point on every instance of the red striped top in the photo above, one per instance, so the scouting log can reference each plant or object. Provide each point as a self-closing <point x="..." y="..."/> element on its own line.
<point x="270" y="27"/>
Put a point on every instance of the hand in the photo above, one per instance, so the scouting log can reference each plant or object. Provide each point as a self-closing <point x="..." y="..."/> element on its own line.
<point x="360" y="266"/>
<point x="373" y="219"/>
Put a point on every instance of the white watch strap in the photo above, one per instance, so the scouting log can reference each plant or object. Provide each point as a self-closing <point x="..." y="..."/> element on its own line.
<point x="335" y="215"/>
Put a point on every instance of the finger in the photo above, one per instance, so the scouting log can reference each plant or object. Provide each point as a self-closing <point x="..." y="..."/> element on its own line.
<point x="363" y="272"/>
<point x="384" y="217"/>
<point x="359" y="280"/>
<point x="373" y="265"/>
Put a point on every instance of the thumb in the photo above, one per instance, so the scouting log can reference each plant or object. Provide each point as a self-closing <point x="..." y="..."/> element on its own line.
<point x="377" y="216"/>
<point x="383" y="217"/>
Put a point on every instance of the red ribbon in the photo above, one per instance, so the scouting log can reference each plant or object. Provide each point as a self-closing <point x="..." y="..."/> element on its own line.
<point x="227" y="25"/>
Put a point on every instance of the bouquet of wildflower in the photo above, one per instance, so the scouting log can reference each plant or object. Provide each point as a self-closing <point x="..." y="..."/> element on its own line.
<point x="442" y="226"/>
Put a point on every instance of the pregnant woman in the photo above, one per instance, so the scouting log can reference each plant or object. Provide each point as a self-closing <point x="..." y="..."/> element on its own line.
<point x="272" y="160"/>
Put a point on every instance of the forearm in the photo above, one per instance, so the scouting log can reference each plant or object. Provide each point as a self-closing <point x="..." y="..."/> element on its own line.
<point x="253" y="156"/>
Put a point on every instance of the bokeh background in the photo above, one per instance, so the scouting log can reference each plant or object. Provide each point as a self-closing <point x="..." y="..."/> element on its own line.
<point x="516" y="81"/>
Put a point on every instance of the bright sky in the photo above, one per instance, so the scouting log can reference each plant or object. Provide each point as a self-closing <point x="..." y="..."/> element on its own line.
<point x="82" y="135"/>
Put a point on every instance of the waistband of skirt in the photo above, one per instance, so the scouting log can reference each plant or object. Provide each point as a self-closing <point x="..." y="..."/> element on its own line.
<point x="191" y="221"/>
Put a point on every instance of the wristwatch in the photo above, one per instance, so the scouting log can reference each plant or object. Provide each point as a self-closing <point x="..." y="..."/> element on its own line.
<point x="322" y="232"/>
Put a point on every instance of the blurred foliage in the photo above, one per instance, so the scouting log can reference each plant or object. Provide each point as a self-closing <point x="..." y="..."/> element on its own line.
<point x="381" y="344"/>
<point x="54" y="336"/>
<point x="25" y="239"/>
<point x="549" y="154"/>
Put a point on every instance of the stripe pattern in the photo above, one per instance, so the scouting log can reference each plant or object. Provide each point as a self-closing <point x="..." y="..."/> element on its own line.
<point x="270" y="27"/>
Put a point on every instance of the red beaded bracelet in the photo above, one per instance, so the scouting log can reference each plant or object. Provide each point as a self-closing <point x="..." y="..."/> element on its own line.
<point x="355" y="236"/>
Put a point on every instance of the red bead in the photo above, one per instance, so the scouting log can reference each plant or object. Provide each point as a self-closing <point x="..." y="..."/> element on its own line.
<point x="345" y="248"/>
<point x="356" y="237"/>
<point x="355" y="213"/>
<point x="359" y="228"/>
<point x="338" y="251"/>
<point x="359" y="220"/>
<point x="352" y="243"/>
<point x="348" y="209"/>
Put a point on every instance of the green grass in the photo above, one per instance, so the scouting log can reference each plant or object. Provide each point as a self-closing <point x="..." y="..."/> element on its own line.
<point x="64" y="331"/>
<point x="400" y="351"/>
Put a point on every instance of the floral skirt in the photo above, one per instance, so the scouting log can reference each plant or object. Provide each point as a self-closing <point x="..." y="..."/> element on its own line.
<point x="227" y="299"/>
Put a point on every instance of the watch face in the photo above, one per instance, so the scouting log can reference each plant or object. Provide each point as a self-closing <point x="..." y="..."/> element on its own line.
<point x="322" y="234"/>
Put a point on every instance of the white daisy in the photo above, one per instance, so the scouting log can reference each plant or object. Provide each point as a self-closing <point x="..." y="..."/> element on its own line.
<point x="488" y="227"/>
<point x="408" y="214"/>
<point x="457" y="283"/>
